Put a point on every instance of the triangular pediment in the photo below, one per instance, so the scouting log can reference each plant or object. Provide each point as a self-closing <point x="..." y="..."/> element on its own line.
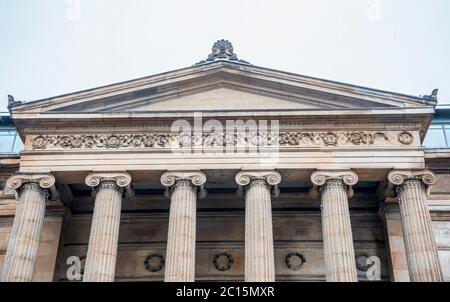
<point x="217" y="97"/>
<point x="224" y="98"/>
<point x="222" y="86"/>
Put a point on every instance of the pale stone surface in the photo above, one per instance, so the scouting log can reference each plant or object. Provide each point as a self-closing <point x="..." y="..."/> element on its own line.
<point x="23" y="246"/>
<point x="103" y="241"/>
<point x="398" y="266"/>
<point x="259" y="248"/>
<point x="336" y="226"/>
<point x="143" y="234"/>
<point x="48" y="249"/>
<point x="323" y="125"/>
<point x="183" y="189"/>
<point x="421" y="249"/>
<point x="444" y="256"/>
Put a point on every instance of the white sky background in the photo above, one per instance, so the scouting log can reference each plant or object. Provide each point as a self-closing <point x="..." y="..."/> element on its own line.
<point x="52" y="47"/>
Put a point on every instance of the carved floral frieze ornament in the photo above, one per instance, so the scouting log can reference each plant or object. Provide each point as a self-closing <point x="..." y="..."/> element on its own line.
<point x="196" y="179"/>
<point x="117" y="180"/>
<point x="397" y="178"/>
<point x="174" y="141"/>
<point x="272" y="178"/>
<point x="45" y="182"/>
<point x="223" y="50"/>
<point x="320" y="178"/>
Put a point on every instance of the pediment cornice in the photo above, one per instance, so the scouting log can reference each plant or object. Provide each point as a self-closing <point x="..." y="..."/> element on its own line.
<point x="230" y="74"/>
<point x="265" y="94"/>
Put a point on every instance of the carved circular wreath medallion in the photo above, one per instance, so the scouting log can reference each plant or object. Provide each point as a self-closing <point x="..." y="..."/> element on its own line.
<point x="154" y="263"/>
<point x="405" y="138"/>
<point x="223" y="261"/>
<point x="295" y="261"/>
<point x="39" y="142"/>
<point x="330" y="139"/>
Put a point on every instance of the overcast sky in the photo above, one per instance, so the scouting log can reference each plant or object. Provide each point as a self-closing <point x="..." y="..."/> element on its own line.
<point x="52" y="47"/>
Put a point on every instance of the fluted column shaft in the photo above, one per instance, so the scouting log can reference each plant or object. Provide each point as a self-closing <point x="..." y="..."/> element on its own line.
<point x="103" y="241"/>
<point x="337" y="233"/>
<point x="258" y="186"/>
<point x="24" y="241"/>
<point x="180" y="254"/>
<point x="109" y="188"/>
<point x="335" y="187"/>
<point x="421" y="250"/>
<point x="183" y="187"/>
<point x="259" y="249"/>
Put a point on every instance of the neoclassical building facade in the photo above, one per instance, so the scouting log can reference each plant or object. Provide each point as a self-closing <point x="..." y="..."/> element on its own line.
<point x="225" y="171"/>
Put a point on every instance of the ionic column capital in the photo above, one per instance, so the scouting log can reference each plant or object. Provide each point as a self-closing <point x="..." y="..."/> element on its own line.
<point x="321" y="177"/>
<point x="398" y="178"/>
<point x="195" y="179"/>
<point x="44" y="182"/>
<point x="120" y="181"/>
<point x="270" y="177"/>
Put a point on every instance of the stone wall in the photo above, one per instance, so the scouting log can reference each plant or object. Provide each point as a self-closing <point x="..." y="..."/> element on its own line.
<point x="439" y="203"/>
<point x="220" y="231"/>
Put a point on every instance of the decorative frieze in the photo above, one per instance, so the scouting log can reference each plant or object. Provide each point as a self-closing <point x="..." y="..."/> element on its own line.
<point x="180" y="141"/>
<point x="406" y="138"/>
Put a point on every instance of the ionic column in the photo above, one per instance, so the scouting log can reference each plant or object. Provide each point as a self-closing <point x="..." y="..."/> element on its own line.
<point x="183" y="189"/>
<point x="103" y="241"/>
<point x="259" y="248"/>
<point x="23" y="247"/>
<point x="336" y="188"/>
<point x="421" y="252"/>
